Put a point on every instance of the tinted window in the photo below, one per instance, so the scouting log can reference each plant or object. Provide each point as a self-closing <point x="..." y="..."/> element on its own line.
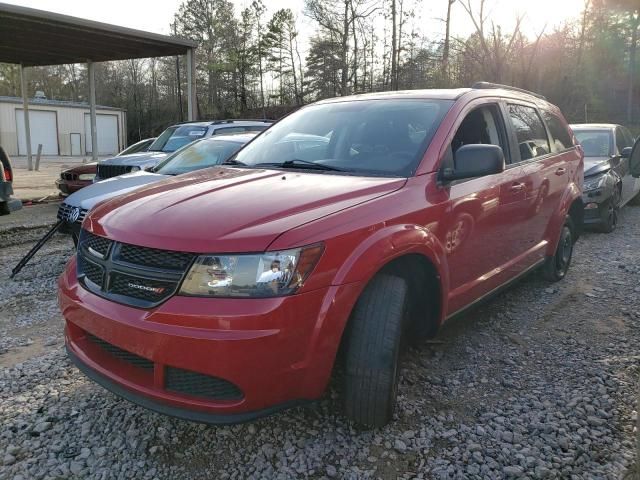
<point x="228" y="130"/>
<point x="560" y="136"/>
<point x="368" y="137"/>
<point x="175" y="137"/>
<point x="531" y="134"/>
<point x="595" y="143"/>
<point x="201" y="154"/>
<point x="622" y="141"/>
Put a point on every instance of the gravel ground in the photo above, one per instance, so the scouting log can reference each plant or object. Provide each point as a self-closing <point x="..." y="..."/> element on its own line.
<point x="542" y="382"/>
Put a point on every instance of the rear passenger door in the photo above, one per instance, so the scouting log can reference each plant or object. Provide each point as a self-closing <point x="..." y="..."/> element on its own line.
<point x="545" y="177"/>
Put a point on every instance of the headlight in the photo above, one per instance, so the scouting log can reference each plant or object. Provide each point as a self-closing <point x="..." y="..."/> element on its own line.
<point x="270" y="274"/>
<point x="134" y="169"/>
<point x="86" y="176"/>
<point x="593" y="183"/>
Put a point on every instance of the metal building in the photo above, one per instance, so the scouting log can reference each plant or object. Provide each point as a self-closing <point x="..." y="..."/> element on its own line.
<point x="61" y="127"/>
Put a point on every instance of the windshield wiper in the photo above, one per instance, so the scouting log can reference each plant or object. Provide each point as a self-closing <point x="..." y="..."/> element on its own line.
<point x="232" y="161"/>
<point x="297" y="163"/>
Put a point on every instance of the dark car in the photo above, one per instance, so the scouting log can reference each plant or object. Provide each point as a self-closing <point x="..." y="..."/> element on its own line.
<point x="8" y="204"/>
<point x="73" y="179"/>
<point x="225" y="294"/>
<point x="608" y="183"/>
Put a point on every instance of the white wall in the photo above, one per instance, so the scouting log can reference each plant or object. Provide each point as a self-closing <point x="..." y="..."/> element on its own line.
<point x="69" y="120"/>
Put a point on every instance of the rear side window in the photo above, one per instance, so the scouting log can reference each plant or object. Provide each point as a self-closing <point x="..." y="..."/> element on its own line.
<point x="560" y="136"/>
<point x="532" y="136"/>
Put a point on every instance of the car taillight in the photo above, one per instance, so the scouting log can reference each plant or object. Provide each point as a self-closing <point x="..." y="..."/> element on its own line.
<point x="7" y="175"/>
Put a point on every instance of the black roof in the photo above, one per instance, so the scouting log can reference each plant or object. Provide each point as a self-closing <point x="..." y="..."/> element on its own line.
<point x="37" y="37"/>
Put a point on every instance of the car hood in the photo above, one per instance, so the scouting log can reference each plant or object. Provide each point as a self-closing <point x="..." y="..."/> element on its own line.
<point x="84" y="168"/>
<point x="596" y="165"/>
<point x="140" y="158"/>
<point x="90" y="196"/>
<point x="230" y="209"/>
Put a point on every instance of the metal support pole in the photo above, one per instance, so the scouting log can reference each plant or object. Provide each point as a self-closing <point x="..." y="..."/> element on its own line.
<point x="25" y="110"/>
<point x="192" y="106"/>
<point x="92" y="110"/>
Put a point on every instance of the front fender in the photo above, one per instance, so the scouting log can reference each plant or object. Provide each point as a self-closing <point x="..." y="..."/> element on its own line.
<point x="389" y="243"/>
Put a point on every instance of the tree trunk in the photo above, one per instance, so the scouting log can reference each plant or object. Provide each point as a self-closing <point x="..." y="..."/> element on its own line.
<point x="445" y="49"/>
<point x="394" y="65"/>
<point x="345" y="46"/>
<point x="632" y="64"/>
<point x="399" y="46"/>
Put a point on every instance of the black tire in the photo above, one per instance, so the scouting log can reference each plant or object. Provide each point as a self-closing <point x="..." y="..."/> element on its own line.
<point x="555" y="268"/>
<point x="4" y="208"/>
<point x="610" y="218"/>
<point x="373" y="348"/>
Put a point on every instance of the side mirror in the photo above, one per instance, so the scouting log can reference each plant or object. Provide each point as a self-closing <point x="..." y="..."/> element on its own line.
<point x="634" y="160"/>
<point x="476" y="160"/>
<point x="626" y="152"/>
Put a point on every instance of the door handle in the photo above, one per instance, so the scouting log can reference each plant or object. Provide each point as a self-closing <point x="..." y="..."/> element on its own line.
<point x="561" y="171"/>
<point x="516" y="187"/>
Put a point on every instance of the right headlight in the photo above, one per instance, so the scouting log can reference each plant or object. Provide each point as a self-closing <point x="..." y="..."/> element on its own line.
<point x="270" y="274"/>
<point x="594" y="183"/>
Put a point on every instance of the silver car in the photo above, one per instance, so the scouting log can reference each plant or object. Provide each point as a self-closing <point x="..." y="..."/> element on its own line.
<point x="200" y="154"/>
<point x="172" y="139"/>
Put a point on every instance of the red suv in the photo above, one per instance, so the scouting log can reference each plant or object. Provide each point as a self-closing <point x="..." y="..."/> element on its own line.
<point x="356" y="223"/>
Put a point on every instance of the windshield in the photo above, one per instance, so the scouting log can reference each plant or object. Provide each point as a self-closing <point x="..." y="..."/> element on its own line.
<point x="200" y="154"/>
<point x="595" y="143"/>
<point x="175" y="137"/>
<point x="367" y="137"/>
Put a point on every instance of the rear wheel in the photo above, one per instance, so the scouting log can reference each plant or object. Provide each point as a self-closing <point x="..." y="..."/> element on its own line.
<point x="556" y="267"/>
<point x="373" y="349"/>
<point x="4" y="208"/>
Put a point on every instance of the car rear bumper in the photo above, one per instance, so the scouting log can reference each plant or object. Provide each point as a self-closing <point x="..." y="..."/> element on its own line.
<point x="276" y="352"/>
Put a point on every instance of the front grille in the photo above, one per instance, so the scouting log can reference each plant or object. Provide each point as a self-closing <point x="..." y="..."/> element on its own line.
<point x="93" y="272"/>
<point x="108" y="171"/>
<point x="140" y="288"/>
<point x="200" y="385"/>
<point x="65" y="211"/>
<point x="129" y="274"/>
<point x="96" y="243"/>
<point x="152" y="257"/>
<point x="121" y="354"/>
<point x="69" y="176"/>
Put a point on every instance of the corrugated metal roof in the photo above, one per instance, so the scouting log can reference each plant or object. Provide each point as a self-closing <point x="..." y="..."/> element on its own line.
<point x="56" y="103"/>
<point x="37" y="37"/>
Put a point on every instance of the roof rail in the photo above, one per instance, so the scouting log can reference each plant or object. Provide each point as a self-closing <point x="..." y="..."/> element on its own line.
<point x="488" y="85"/>
<point x="232" y="120"/>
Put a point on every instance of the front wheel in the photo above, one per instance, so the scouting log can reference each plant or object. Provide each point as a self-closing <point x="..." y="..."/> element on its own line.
<point x="556" y="266"/>
<point x="373" y="350"/>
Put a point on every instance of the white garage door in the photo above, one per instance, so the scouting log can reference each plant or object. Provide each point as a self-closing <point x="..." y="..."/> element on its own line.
<point x="44" y="131"/>
<point x="107" y="126"/>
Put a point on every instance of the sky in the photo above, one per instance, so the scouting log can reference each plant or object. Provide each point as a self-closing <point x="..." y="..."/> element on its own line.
<point x="156" y="15"/>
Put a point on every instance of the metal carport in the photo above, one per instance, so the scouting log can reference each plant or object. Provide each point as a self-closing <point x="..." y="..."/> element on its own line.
<point x="31" y="37"/>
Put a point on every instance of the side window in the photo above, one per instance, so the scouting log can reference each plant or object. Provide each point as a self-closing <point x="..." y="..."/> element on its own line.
<point x="622" y="141"/>
<point x="228" y="130"/>
<point x="560" y="136"/>
<point x="482" y="125"/>
<point x="531" y="134"/>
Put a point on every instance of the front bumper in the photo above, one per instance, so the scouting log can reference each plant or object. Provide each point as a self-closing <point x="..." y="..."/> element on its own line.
<point x="67" y="187"/>
<point x="277" y="352"/>
<point x="595" y="206"/>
